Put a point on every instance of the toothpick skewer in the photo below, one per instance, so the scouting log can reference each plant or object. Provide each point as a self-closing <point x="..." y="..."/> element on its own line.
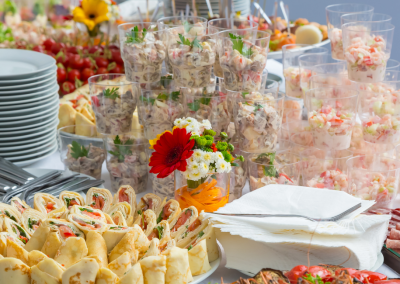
<point x="275" y="15"/>
<point x="173" y="8"/>
<point x="194" y="8"/>
<point x="140" y="17"/>
<point x="210" y="12"/>
<point x="187" y="10"/>
<point x="147" y="11"/>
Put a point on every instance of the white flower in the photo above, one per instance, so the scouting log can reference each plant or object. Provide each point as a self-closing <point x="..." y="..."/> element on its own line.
<point x="208" y="157"/>
<point x="180" y="122"/>
<point x="195" y="133"/>
<point x="222" y="166"/>
<point x="194" y="166"/>
<point x="203" y="167"/>
<point x="206" y="124"/>
<point x="195" y="175"/>
<point x="193" y="127"/>
<point x="189" y="120"/>
<point x="218" y="156"/>
<point x="197" y="155"/>
<point x="229" y="168"/>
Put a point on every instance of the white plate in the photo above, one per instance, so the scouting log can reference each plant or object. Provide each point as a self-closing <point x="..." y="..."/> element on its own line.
<point x="34" y="160"/>
<point x="17" y="91"/>
<point x="49" y="125"/>
<point x="22" y="64"/>
<point x="279" y="54"/>
<point x="28" y="101"/>
<point x="29" y="85"/>
<point x="27" y="136"/>
<point x="43" y="115"/>
<point x="30" y="143"/>
<point x="39" y="76"/>
<point x="21" y="158"/>
<point x="29" y="149"/>
<point x="47" y="119"/>
<point x="28" y="105"/>
<point x="39" y="94"/>
<point x="28" y="112"/>
<point x="375" y="267"/>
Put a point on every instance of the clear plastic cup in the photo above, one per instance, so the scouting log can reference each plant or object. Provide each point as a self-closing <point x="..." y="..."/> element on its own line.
<point x="302" y="138"/>
<point x="374" y="178"/>
<point x="331" y="113"/>
<point x="143" y="51"/>
<point x="243" y="59"/>
<point x="362" y="17"/>
<point x="81" y="154"/>
<point x="392" y="64"/>
<point x="159" y="105"/>
<point x="294" y="126"/>
<point x="380" y="116"/>
<point x="366" y="148"/>
<point x="281" y="167"/>
<point x="258" y="118"/>
<point x="191" y="58"/>
<point x="291" y="68"/>
<point x="334" y="21"/>
<point x="325" y="169"/>
<point x="114" y="100"/>
<point x="367" y="47"/>
<point x="325" y="80"/>
<point x="391" y="83"/>
<point x="238" y="174"/>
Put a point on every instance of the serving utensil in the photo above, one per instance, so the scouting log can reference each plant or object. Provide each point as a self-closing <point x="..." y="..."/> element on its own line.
<point x="285" y="12"/>
<point x="263" y="14"/>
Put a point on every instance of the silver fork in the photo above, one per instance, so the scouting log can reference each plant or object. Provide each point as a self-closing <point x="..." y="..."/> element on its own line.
<point x="331" y="219"/>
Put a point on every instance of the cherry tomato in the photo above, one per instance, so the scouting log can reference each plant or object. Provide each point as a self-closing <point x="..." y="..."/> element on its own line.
<point x="393" y="281"/>
<point x="38" y="48"/>
<point x="48" y="44"/>
<point x="101" y="62"/>
<point x="318" y="270"/>
<point x="50" y="53"/>
<point x="116" y="56"/>
<point x="63" y="59"/>
<point x="113" y="47"/>
<point x="295" y="273"/>
<point x="373" y="277"/>
<point x="74" y="49"/>
<point x="75" y="61"/>
<point x="87" y="63"/>
<point x="67" y="87"/>
<point x="117" y="69"/>
<point x="94" y="48"/>
<point x="73" y="75"/>
<point x="102" y="70"/>
<point x="61" y="75"/>
<point x="57" y="47"/>
<point x="86" y="73"/>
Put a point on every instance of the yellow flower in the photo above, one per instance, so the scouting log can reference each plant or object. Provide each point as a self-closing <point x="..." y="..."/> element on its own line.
<point x="92" y="13"/>
<point x="154" y="141"/>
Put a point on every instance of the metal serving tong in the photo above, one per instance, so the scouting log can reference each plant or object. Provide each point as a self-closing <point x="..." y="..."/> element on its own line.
<point x="331" y="219"/>
<point x="13" y="173"/>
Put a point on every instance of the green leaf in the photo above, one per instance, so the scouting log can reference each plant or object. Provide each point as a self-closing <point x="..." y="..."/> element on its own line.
<point x="194" y="106"/>
<point x="147" y="100"/>
<point x="214" y="177"/>
<point x="30" y="223"/>
<point x="269" y="171"/>
<point x="237" y="42"/>
<point x="257" y="108"/>
<point x="184" y="41"/>
<point x="163" y="97"/>
<point x="234" y="165"/>
<point x="175" y="95"/>
<point x="187" y="26"/>
<point x="134" y="35"/>
<point x="201" y="234"/>
<point x="68" y="201"/>
<point x="197" y="43"/>
<point x="244" y="94"/>
<point x="111" y="93"/>
<point x="10" y="216"/>
<point x="190" y="247"/>
<point x="165" y="81"/>
<point x="160" y="217"/>
<point x="78" y="150"/>
<point x="160" y="230"/>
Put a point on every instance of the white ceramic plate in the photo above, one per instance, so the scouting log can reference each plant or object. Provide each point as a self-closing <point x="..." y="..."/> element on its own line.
<point x="29" y="85"/>
<point x="30" y="143"/>
<point x="21" y="64"/>
<point x="44" y="115"/>
<point x="25" y="163"/>
<point x="28" y="105"/>
<point x="16" y="91"/>
<point x="37" y="154"/>
<point x="39" y="76"/>
<point x="48" y="119"/>
<point x="28" y="101"/>
<point x="28" y="112"/>
<point x="279" y="54"/>
<point x="39" y="94"/>
<point x="28" y="149"/>
<point x="48" y="125"/>
<point x="27" y="136"/>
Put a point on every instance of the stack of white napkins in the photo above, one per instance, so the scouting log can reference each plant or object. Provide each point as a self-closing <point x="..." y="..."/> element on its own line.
<point x="252" y="243"/>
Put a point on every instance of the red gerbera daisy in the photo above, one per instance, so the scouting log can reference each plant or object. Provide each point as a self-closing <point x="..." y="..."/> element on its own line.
<point x="171" y="152"/>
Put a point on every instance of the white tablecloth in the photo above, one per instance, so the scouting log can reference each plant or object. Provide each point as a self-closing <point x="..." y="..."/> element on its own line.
<point x="229" y="275"/>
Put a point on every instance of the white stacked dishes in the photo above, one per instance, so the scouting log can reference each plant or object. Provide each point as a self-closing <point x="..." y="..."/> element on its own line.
<point x="202" y="10"/>
<point x="28" y="106"/>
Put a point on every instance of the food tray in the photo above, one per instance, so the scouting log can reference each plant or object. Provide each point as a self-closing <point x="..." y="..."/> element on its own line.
<point x="279" y="54"/>
<point x="392" y="258"/>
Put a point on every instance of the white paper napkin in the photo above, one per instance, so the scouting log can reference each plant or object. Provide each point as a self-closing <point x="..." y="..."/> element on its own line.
<point x="282" y="243"/>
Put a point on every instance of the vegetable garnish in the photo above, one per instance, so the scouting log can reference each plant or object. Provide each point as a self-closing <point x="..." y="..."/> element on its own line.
<point x="160" y="230"/>
<point x="194" y="43"/>
<point x="111" y="93"/>
<point x="187" y="26"/>
<point x="134" y="35"/>
<point x="120" y="148"/>
<point x="239" y="45"/>
<point x="78" y="150"/>
<point x="315" y="280"/>
<point x="267" y="158"/>
<point x="162" y="97"/>
<point x="160" y="217"/>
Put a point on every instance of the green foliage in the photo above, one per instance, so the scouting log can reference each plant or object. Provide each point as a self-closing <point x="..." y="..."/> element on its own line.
<point x="194" y="43"/>
<point x="227" y="156"/>
<point x="315" y="280"/>
<point x="231" y="147"/>
<point x="209" y="143"/>
<point x="244" y="94"/>
<point x="209" y="132"/>
<point x="161" y="97"/>
<point x="187" y="26"/>
<point x="223" y="136"/>
<point x="201" y="141"/>
<point x="222" y="146"/>
<point x="5" y="34"/>
<point x="160" y="230"/>
<point x="78" y="150"/>
<point x="239" y="45"/>
<point x="134" y="35"/>
<point x="121" y="149"/>
<point x="10" y="7"/>
<point x="111" y="93"/>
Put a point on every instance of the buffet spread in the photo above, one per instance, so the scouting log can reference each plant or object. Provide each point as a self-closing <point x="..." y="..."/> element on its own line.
<point x="185" y="103"/>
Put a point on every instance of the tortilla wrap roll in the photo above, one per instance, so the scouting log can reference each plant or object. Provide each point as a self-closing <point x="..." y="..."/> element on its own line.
<point x="190" y="232"/>
<point x="52" y="244"/>
<point x="19" y="204"/>
<point x="40" y="277"/>
<point x="119" y="219"/>
<point x="146" y="221"/>
<point x="35" y="256"/>
<point x="16" y="229"/>
<point x="65" y="228"/>
<point x="161" y="231"/>
<point x="4" y="236"/>
<point x="46" y="203"/>
<point x="99" y="198"/>
<point x="133" y="276"/>
<point x="168" y="245"/>
<point x="97" y="248"/>
<point x="113" y="235"/>
<point x="10" y="212"/>
<point x="198" y="259"/>
<point x="126" y="244"/>
<point x="70" y="198"/>
<point x="109" y="220"/>
<point x="125" y="209"/>
<point x="31" y="220"/>
<point x="169" y="212"/>
<point x="82" y="272"/>
<point x="106" y="276"/>
<point x="150" y="201"/>
<point x="51" y="267"/>
<point x="17" y="251"/>
<point x="126" y="193"/>
<point x="121" y="265"/>
<point x="89" y="212"/>
<point x="71" y="251"/>
<point x="154" y="269"/>
<point x="185" y="218"/>
<point x="141" y="240"/>
<point x="153" y="248"/>
<point x="178" y="268"/>
<point x="60" y="213"/>
<point x="66" y="115"/>
<point x="13" y="270"/>
<point x="86" y="224"/>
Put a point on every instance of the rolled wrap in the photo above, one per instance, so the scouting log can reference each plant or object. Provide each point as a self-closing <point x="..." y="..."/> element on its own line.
<point x="154" y="269"/>
<point x="86" y="224"/>
<point x="99" y="198"/>
<point x="13" y="270"/>
<point x="31" y="220"/>
<point x="149" y="201"/>
<point x="113" y="235"/>
<point x="51" y="267"/>
<point x="64" y="227"/>
<point x="126" y="244"/>
<point x="198" y="259"/>
<point x="89" y="212"/>
<point x="126" y="194"/>
<point x="4" y="236"/>
<point x="186" y="236"/>
<point x="185" y="218"/>
<point x="40" y="277"/>
<point x="35" y="256"/>
<point x="121" y="265"/>
<point x="10" y="212"/>
<point x="59" y="213"/>
<point x="133" y="276"/>
<point x="97" y="248"/>
<point x="82" y="272"/>
<point x="38" y="238"/>
<point x="162" y="232"/>
<point x="178" y="268"/>
<point x="71" y="251"/>
<point x="17" y="251"/>
<point x="147" y="221"/>
<point x="46" y="203"/>
<point x="52" y="244"/>
<point x="169" y="211"/>
<point x="125" y="209"/>
<point x="19" y="204"/>
<point x="153" y="249"/>
<point x="106" y="276"/>
<point x="141" y="240"/>
<point x="16" y="229"/>
<point x="70" y="198"/>
<point x="119" y="219"/>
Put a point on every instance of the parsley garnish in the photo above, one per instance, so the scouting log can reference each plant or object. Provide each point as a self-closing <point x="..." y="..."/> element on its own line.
<point x="190" y="247"/>
<point x="239" y="45"/>
<point x="257" y="108"/>
<point x="315" y="280"/>
<point x="139" y="212"/>
<point x="120" y="149"/>
<point x="187" y="26"/>
<point x="30" y="223"/>
<point x="134" y="35"/>
<point x="244" y="94"/>
<point x="85" y="209"/>
<point x="162" y="97"/>
<point x="195" y="105"/>
<point x="68" y="201"/>
<point x="9" y="216"/>
<point x="201" y="234"/>
<point x="78" y="150"/>
<point x="111" y="93"/>
<point x="160" y="230"/>
<point x="185" y="41"/>
<point x="160" y="217"/>
<point x="269" y="158"/>
<point x="165" y="81"/>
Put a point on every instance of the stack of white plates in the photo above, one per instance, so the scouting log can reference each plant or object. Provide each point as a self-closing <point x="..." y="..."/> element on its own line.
<point x="238" y="5"/>
<point x="28" y="106"/>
